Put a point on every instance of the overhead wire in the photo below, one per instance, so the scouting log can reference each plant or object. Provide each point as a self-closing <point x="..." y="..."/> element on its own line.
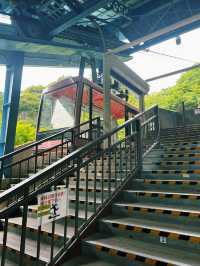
<point x="170" y="56"/>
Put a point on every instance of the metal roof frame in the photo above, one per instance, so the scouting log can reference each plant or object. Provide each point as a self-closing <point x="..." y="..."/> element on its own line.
<point x="66" y="24"/>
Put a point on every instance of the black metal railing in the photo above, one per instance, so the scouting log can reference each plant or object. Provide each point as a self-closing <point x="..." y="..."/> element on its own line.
<point x="92" y="175"/>
<point x="25" y="161"/>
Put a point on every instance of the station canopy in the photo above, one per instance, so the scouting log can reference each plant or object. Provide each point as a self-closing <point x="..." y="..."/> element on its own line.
<point x="57" y="32"/>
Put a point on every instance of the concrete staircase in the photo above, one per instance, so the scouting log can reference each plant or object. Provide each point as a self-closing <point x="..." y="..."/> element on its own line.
<point x="156" y="220"/>
<point x="20" y="171"/>
<point x="15" y="223"/>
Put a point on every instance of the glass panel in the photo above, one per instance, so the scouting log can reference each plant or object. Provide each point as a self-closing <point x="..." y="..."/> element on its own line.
<point x="85" y="105"/>
<point x="58" y="109"/>
<point x="117" y="107"/>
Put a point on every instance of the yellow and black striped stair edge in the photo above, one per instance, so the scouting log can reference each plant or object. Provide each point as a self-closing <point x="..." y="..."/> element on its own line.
<point x="181" y="143"/>
<point x="197" y="155"/>
<point x="175" y="213"/>
<point x="178" y="163"/>
<point x="194" y="171"/>
<point x="35" y="230"/>
<point x="182" y="149"/>
<point x="168" y="195"/>
<point x="26" y="256"/>
<point x="172" y="182"/>
<point x="131" y="256"/>
<point x="98" y="179"/>
<point x="157" y="232"/>
<point x="98" y="190"/>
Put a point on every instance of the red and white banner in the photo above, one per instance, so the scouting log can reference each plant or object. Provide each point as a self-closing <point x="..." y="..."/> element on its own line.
<point x="52" y="206"/>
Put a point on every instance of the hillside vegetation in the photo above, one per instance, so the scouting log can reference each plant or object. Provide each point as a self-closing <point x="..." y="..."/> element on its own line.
<point x="187" y="90"/>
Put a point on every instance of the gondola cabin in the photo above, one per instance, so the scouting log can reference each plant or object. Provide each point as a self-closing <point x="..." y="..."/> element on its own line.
<point x="61" y="108"/>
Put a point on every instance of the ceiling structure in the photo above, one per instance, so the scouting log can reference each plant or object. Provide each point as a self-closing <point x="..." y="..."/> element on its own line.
<point x="58" y="31"/>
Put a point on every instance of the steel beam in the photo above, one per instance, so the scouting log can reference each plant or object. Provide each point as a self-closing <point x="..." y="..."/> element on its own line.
<point x="11" y="101"/>
<point x="172" y="73"/>
<point x="158" y="33"/>
<point x="80" y="91"/>
<point x="72" y="18"/>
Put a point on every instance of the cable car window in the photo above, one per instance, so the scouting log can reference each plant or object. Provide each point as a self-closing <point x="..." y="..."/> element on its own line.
<point x="58" y="109"/>
<point x="85" y="105"/>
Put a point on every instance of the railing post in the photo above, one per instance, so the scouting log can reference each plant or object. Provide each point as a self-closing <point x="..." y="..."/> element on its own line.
<point x="183" y="113"/>
<point x="62" y="144"/>
<point x="73" y="139"/>
<point x="90" y="136"/>
<point x="23" y="232"/>
<point x="109" y="166"/>
<point x="36" y="157"/>
<point x="78" y="163"/>
<point x="98" y="127"/>
<point x="139" y="147"/>
<point x="98" y="131"/>
<point x="157" y="122"/>
<point x="4" y="248"/>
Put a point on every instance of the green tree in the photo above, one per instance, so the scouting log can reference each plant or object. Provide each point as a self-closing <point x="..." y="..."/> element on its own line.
<point x="25" y="132"/>
<point x="29" y="103"/>
<point x="187" y="90"/>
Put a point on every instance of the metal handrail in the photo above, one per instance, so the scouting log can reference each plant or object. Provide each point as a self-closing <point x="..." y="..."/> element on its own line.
<point x="73" y="155"/>
<point x="18" y="165"/>
<point x="139" y="137"/>
<point x="39" y="142"/>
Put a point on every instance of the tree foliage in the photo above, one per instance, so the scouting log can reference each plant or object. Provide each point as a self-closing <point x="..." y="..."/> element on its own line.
<point x="187" y="90"/>
<point x="29" y="103"/>
<point x="25" y="132"/>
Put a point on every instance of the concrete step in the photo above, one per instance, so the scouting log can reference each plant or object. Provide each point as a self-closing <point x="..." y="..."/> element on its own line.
<point x="169" y="182"/>
<point x="181" y="151"/>
<point x="99" y="179"/>
<point x="172" y="165"/>
<point x="15" y="227"/>
<point x="158" y="211"/>
<point x="13" y="246"/>
<point x="172" y="174"/>
<point x="33" y="209"/>
<point x="129" y="251"/>
<point x="180" y="144"/>
<point x="176" y="235"/>
<point x="191" y="149"/>
<point x="180" y="136"/>
<point x="177" y="185"/>
<point x="160" y="208"/>
<point x="93" y="200"/>
<point x="88" y="261"/>
<point x="165" y="197"/>
<point x="172" y="157"/>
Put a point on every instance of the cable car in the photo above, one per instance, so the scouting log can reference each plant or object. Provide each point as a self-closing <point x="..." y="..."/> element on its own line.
<point x="60" y="107"/>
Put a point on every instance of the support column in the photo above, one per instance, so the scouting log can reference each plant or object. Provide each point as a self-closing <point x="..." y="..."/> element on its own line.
<point x="11" y="101"/>
<point x="106" y="92"/>
<point x="79" y="91"/>
<point x="94" y="79"/>
<point x="141" y="103"/>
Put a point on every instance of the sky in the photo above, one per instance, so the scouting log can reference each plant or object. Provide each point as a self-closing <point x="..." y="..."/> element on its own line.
<point x="144" y="63"/>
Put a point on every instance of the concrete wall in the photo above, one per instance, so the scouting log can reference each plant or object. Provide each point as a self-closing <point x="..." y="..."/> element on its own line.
<point x="191" y="117"/>
<point x="170" y="119"/>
